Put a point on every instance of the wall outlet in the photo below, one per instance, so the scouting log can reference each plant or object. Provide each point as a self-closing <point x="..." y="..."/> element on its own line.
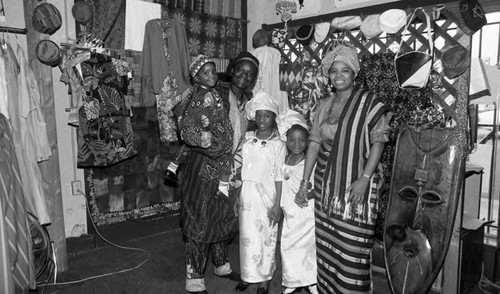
<point x="76" y="188"/>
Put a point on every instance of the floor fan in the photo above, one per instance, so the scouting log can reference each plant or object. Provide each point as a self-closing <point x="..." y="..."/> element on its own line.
<point x="41" y="247"/>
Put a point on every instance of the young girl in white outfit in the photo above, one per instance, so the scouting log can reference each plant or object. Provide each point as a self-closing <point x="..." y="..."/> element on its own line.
<point x="263" y="156"/>
<point x="298" y="240"/>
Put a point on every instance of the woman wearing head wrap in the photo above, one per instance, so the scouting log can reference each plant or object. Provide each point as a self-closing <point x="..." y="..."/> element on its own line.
<point x="346" y="144"/>
<point x="263" y="155"/>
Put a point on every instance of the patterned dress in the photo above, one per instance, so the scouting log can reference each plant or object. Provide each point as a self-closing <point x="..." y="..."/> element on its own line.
<point x="298" y="241"/>
<point x="262" y="162"/>
<point x="344" y="233"/>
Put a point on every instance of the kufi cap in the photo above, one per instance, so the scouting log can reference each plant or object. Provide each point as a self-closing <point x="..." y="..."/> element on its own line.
<point x="370" y="27"/>
<point x="261" y="101"/>
<point x="198" y="63"/>
<point x="260" y="38"/>
<point x="82" y="12"/>
<point x="392" y="20"/>
<point x="279" y="37"/>
<point x="472" y="16"/>
<point x="321" y="31"/>
<point x="342" y="53"/>
<point x="346" y="22"/>
<point x="244" y="55"/>
<point x="287" y="119"/>
<point x="455" y="60"/>
<point x="48" y="52"/>
<point x="46" y="19"/>
<point x="304" y="34"/>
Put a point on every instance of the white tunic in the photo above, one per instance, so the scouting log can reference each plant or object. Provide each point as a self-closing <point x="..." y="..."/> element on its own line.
<point x="298" y="240"/>
<point x="262" y="161"/>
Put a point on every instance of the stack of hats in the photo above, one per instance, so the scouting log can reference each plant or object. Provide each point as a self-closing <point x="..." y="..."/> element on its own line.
<point x="346" y="23"/>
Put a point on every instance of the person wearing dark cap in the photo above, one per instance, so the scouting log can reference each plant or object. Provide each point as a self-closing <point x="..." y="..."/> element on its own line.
<point x="268" y="78"/>
<point x="207" y="213"/>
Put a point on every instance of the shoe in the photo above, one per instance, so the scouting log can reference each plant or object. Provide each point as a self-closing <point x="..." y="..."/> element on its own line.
<point x="198" y="292"/>
<point x="233" y="276"/>
<point x="263" y="288"/>
<point x="242" y="286"/>
<point x="170" y="179"/>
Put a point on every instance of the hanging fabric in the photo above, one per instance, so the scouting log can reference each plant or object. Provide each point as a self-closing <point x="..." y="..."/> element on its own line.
<point x="105" y="136"/>
<point x="17" y="274"/>
<point x="22" y="113"/>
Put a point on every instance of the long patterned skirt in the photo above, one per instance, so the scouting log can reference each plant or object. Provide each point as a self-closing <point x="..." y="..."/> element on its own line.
<point x="343" y="244"/>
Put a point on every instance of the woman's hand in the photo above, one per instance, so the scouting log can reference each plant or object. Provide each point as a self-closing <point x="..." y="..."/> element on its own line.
<point x="301" y="197"/>
<point x="274" y="214"/>
<point x="357" y="190"/>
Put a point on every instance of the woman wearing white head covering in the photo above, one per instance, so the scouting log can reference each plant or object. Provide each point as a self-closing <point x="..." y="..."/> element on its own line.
<point x="263" y="155"/>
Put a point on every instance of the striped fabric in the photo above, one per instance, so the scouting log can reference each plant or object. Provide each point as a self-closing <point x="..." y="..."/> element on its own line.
<point x="343" y="245"/>
<point x="351" y="146"/>
<point x="16" y="269"/>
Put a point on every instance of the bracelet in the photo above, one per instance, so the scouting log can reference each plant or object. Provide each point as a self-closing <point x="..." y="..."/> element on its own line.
<point x="366" y="176"/>
<point x="306" y="184"/>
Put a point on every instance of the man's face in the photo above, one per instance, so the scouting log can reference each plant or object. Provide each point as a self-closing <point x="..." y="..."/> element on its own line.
<point x="244" y="74"/>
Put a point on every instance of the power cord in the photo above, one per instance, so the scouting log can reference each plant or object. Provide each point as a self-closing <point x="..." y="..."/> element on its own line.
<point x="102" y="275"/>
<point x="485" y="283"/>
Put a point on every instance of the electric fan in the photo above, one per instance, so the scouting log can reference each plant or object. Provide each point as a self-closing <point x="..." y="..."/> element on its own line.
<point x="40" y="242"/>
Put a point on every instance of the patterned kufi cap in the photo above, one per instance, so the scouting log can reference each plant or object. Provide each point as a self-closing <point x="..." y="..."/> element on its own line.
<point x="342" y="53"/>
<point x="198" y="63"/>
<point x="261" y="101"/>
<point x="287" y="119"/>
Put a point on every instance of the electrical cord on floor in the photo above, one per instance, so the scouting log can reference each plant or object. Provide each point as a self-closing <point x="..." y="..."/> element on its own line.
<point x="55" y="283"/>
<point x="485" y="283"/>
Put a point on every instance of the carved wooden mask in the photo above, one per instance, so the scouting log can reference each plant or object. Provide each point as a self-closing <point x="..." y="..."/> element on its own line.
<point x="424" y="193"/>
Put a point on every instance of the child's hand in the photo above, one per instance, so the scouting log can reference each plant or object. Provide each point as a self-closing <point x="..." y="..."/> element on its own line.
<point x="274" y="215"/>
<point x="301" y="197"/>
<point x="206" y="139"/>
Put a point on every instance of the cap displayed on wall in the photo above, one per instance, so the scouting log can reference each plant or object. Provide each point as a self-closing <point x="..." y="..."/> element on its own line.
<point x="455" y="60"/>
<point x="321" y="31"/>
<point x="472" y="16"/>
<point x="46" y="19"/>
<point x="370" y="27"/>
<point x="346" y="22"/>
<point x="48" y="52"/>
<point x="82" y="12"/>
<point x="304" y="34"/>
<point x="279" y="37"/>
<point x="392" y="20"/>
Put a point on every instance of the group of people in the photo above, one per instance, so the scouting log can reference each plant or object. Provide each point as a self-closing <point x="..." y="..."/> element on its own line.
<point x="247" y="168"/>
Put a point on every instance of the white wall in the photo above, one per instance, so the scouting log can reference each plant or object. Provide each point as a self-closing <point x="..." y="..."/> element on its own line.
<point x="264" y="11"/>
<point x="74" y="207"/>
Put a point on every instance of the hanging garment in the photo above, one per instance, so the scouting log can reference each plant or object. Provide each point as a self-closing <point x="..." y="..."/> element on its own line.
<point x="268" y="78"/>
<point x="28" y="87"/>
<point x="164" y="68"/>
<point x="17" y="274"/>
<point x="20" y="109"/>
<point x="105" y="135"/>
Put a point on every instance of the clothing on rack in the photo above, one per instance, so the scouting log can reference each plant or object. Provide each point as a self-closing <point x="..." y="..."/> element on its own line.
<point x="164" y="68"/>
<point x="28" y="129"/>
<point x="268" y="78"/>
<point x="17" y="274"/>
<point x="105" y="136"/>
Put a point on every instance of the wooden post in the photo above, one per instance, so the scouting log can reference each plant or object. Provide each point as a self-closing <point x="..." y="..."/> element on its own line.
<point x="50" y="168"/>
